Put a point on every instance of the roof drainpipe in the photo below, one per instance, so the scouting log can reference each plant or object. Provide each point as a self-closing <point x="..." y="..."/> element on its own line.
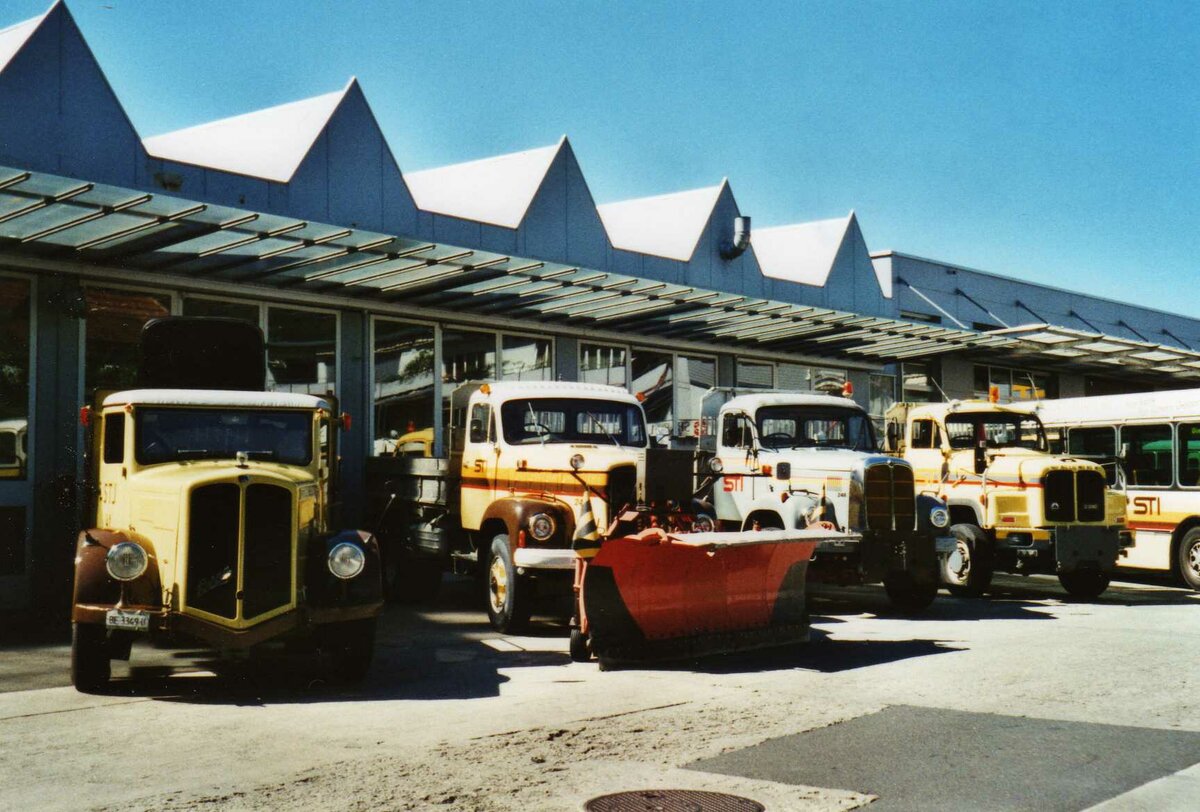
<point x="732" y="249"/>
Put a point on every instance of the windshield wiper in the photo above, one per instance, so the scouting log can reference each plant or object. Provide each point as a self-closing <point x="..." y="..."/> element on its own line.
<point x="600" y="426"/>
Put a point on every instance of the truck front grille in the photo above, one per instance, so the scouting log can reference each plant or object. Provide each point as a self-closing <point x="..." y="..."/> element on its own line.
<point x="889" y="497"/>
<point x="1058" y="488"/>
<point x="1089" y="488"/>
<point x="267" y="561"/>
<point x="262" y="564"/>
<point x="212" y="549"/>
<point x="1074" y="496"/>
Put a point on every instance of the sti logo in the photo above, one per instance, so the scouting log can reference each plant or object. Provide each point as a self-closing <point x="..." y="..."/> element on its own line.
<point x="1147" y="506"/>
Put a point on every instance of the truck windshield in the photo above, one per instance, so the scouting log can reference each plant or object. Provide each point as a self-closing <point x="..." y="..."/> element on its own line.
<point x="568" y="420"/>
<point x="171" y="434"/>
<point x="997" y="430"/>
<point x="814" y="427"/>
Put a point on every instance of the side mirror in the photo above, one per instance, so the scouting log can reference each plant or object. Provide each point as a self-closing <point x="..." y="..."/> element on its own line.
<point x="477" y="432"/>
<point x="783" y="471"/>
<point x="1123" y="454"/>
<point x="892" y="436"/>
<point x="980" y="457"/>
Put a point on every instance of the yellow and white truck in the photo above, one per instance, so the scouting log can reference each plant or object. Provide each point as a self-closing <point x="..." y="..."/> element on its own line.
<point x="1014" y="506"/>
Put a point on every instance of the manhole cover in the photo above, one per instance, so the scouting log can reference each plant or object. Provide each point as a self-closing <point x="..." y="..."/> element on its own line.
<point x="672" y="800"/>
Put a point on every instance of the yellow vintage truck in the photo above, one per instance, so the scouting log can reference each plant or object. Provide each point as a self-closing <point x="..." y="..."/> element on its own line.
<point x="1014" y="506"/>
<point x="213" y="512"/>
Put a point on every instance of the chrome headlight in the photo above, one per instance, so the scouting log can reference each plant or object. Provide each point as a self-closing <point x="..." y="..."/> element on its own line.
<point x="541" y="526"/>
<point x="715" y="465"/>
<point x="126" y="561"/>
<point x="346" y="560"/>
<point x="939" y="517"/>
<point x="577" y="461"/>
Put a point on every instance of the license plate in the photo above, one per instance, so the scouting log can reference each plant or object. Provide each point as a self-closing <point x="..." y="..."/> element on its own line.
<point x="131" y="620"/>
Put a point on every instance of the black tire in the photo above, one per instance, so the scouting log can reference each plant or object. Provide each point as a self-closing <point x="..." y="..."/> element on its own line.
<point x="508" y="595"/>
<point x="908" y="595"/>
<point x="581" y="647"/>
<point x="1187" y="558"/>
<point x="414" y="580"/>
<point x="1084" y="584"/>
<point x="91" y="667"/>
<point x="350" y="648"/>
<point x="967" y="572"/>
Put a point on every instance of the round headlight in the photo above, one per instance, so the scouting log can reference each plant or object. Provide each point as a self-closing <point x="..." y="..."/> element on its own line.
<point x="715" y="465"/>
<point x="541" y="526"/>
<point x="703" y="523"/>
<point x="939" y="517"/>
<point x="126" y="561"/>
<point x="346" y="560"/>
<point x="577" y="461"/>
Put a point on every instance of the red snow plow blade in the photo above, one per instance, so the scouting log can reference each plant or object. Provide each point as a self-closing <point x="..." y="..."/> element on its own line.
<point x="656" y="595"/>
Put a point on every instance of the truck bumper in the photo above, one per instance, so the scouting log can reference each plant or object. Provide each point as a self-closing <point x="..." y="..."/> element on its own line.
<point x="536" y="558"/>
<point x="874" y="556"/>
<point x="1062" y="549"/>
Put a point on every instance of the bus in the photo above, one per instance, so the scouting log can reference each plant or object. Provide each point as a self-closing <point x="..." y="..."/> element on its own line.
<point x="1149" y="444"/>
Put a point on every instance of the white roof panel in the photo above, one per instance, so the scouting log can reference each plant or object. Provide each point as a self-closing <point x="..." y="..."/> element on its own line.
<point x="216" y="397"/>
<point x="802" y="252"/>
<point x="268" y="144"/>
<point x="13" y="38"/>
<point x="664" y="225"/>
<point x="497" y="190"/>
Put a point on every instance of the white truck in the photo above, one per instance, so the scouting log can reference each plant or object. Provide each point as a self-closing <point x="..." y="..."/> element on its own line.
<point x="794" y="460"/>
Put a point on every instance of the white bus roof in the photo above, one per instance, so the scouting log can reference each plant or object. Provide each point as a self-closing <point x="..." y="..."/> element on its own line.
<point x="216" y="397"/>
<point x="1174" y="405"/>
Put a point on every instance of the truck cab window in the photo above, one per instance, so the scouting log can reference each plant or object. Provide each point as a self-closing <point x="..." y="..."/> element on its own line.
<point x="925" y="434"/>
<point x="735" y="431"/>
<point x="114" y="438"/>
<point x="480" y="420"/>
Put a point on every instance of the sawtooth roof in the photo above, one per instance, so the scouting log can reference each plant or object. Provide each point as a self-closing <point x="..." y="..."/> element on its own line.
<point x="14" y="37"/>
<point x="667" y="225"/>
<point x="268" y="144"/>
<point x="801" y="252"/>
<point x="497" y="190"/>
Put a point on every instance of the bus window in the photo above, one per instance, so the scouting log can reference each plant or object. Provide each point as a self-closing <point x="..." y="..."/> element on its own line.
<point x="1189" y="454"/>
<point x="1150" y="457"/>
<point x="1098" y="445"/>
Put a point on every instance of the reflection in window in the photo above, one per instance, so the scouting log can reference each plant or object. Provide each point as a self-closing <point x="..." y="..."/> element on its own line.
<point x="403" y="389"/>
<point x="527" y="359"/>
<point x="215" y="308"/>
<point x="14" y="378"/>
<point x="114" y="325"/>
<point x="301" y="351"/>
<point x="600" y="363"/>
<point x="653" y="378"/>
<point x="1149" y="461"/>
<point x="467" y="356"/>
<point x="755" y="376"/>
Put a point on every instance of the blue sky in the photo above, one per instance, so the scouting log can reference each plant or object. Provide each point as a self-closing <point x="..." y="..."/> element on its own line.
<point x="1057" y="142"/>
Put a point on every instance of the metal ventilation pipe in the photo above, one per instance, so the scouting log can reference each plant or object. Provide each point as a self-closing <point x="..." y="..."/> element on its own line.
<point x="732" y="249"/>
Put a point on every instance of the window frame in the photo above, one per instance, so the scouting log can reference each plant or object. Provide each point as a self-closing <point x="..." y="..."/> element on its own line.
<point x="1121" y="442"/>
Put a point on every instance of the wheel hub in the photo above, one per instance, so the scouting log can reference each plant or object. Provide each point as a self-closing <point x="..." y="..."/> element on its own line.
<point x="959" y="561"/>
<point x="497" y="585"/>
<point x="1193" y="559"/>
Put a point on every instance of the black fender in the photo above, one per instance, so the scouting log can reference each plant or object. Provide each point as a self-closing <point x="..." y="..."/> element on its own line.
<point x="94" y="586"/>
<point x="925" y="504"/>
<point x="326" y="590"/>
<point x="516" y="511"/>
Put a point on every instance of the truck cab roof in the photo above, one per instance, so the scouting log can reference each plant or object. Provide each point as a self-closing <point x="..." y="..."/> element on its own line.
<point x="507" y="390"/>
<point x="751" y="403"/>
<point x="216" y="398"/>
<point x="941" y="410"/>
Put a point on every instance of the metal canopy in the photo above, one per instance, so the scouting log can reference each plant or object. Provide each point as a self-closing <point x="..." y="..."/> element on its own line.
<point x="105" y="226"/>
